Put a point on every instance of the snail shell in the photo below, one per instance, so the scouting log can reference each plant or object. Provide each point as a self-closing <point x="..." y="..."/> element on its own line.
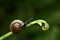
<point x="16" y="26"/>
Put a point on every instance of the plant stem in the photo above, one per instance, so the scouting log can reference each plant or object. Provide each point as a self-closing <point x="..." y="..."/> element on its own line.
<point x="39" y="22"/>
<point x="6" y="35"/>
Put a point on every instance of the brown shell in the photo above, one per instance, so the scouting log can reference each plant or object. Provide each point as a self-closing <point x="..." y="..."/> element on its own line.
<point x="15" y="29"/>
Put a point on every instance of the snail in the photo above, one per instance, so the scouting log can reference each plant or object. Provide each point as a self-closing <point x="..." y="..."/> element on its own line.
<point x="17" y="25"/>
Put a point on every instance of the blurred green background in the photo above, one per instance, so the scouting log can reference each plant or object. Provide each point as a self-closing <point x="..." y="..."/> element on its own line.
<point x="48" y="10"/>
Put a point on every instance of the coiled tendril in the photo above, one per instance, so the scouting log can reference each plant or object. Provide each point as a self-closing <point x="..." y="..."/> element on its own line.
<point x="39" y="22"/>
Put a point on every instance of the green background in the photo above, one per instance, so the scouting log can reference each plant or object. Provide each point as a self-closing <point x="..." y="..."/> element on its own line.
<point x="48" y="10"/>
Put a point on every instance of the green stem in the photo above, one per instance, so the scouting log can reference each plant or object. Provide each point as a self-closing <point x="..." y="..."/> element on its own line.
<point x="6" y="35"/>
<point x="39" y="22"/>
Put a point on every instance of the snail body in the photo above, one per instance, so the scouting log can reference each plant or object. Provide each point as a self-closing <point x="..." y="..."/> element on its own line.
<point x="16" y="26"/>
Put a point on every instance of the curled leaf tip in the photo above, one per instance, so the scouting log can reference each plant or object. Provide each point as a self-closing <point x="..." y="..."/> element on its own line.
<point x="39" y="22"/>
